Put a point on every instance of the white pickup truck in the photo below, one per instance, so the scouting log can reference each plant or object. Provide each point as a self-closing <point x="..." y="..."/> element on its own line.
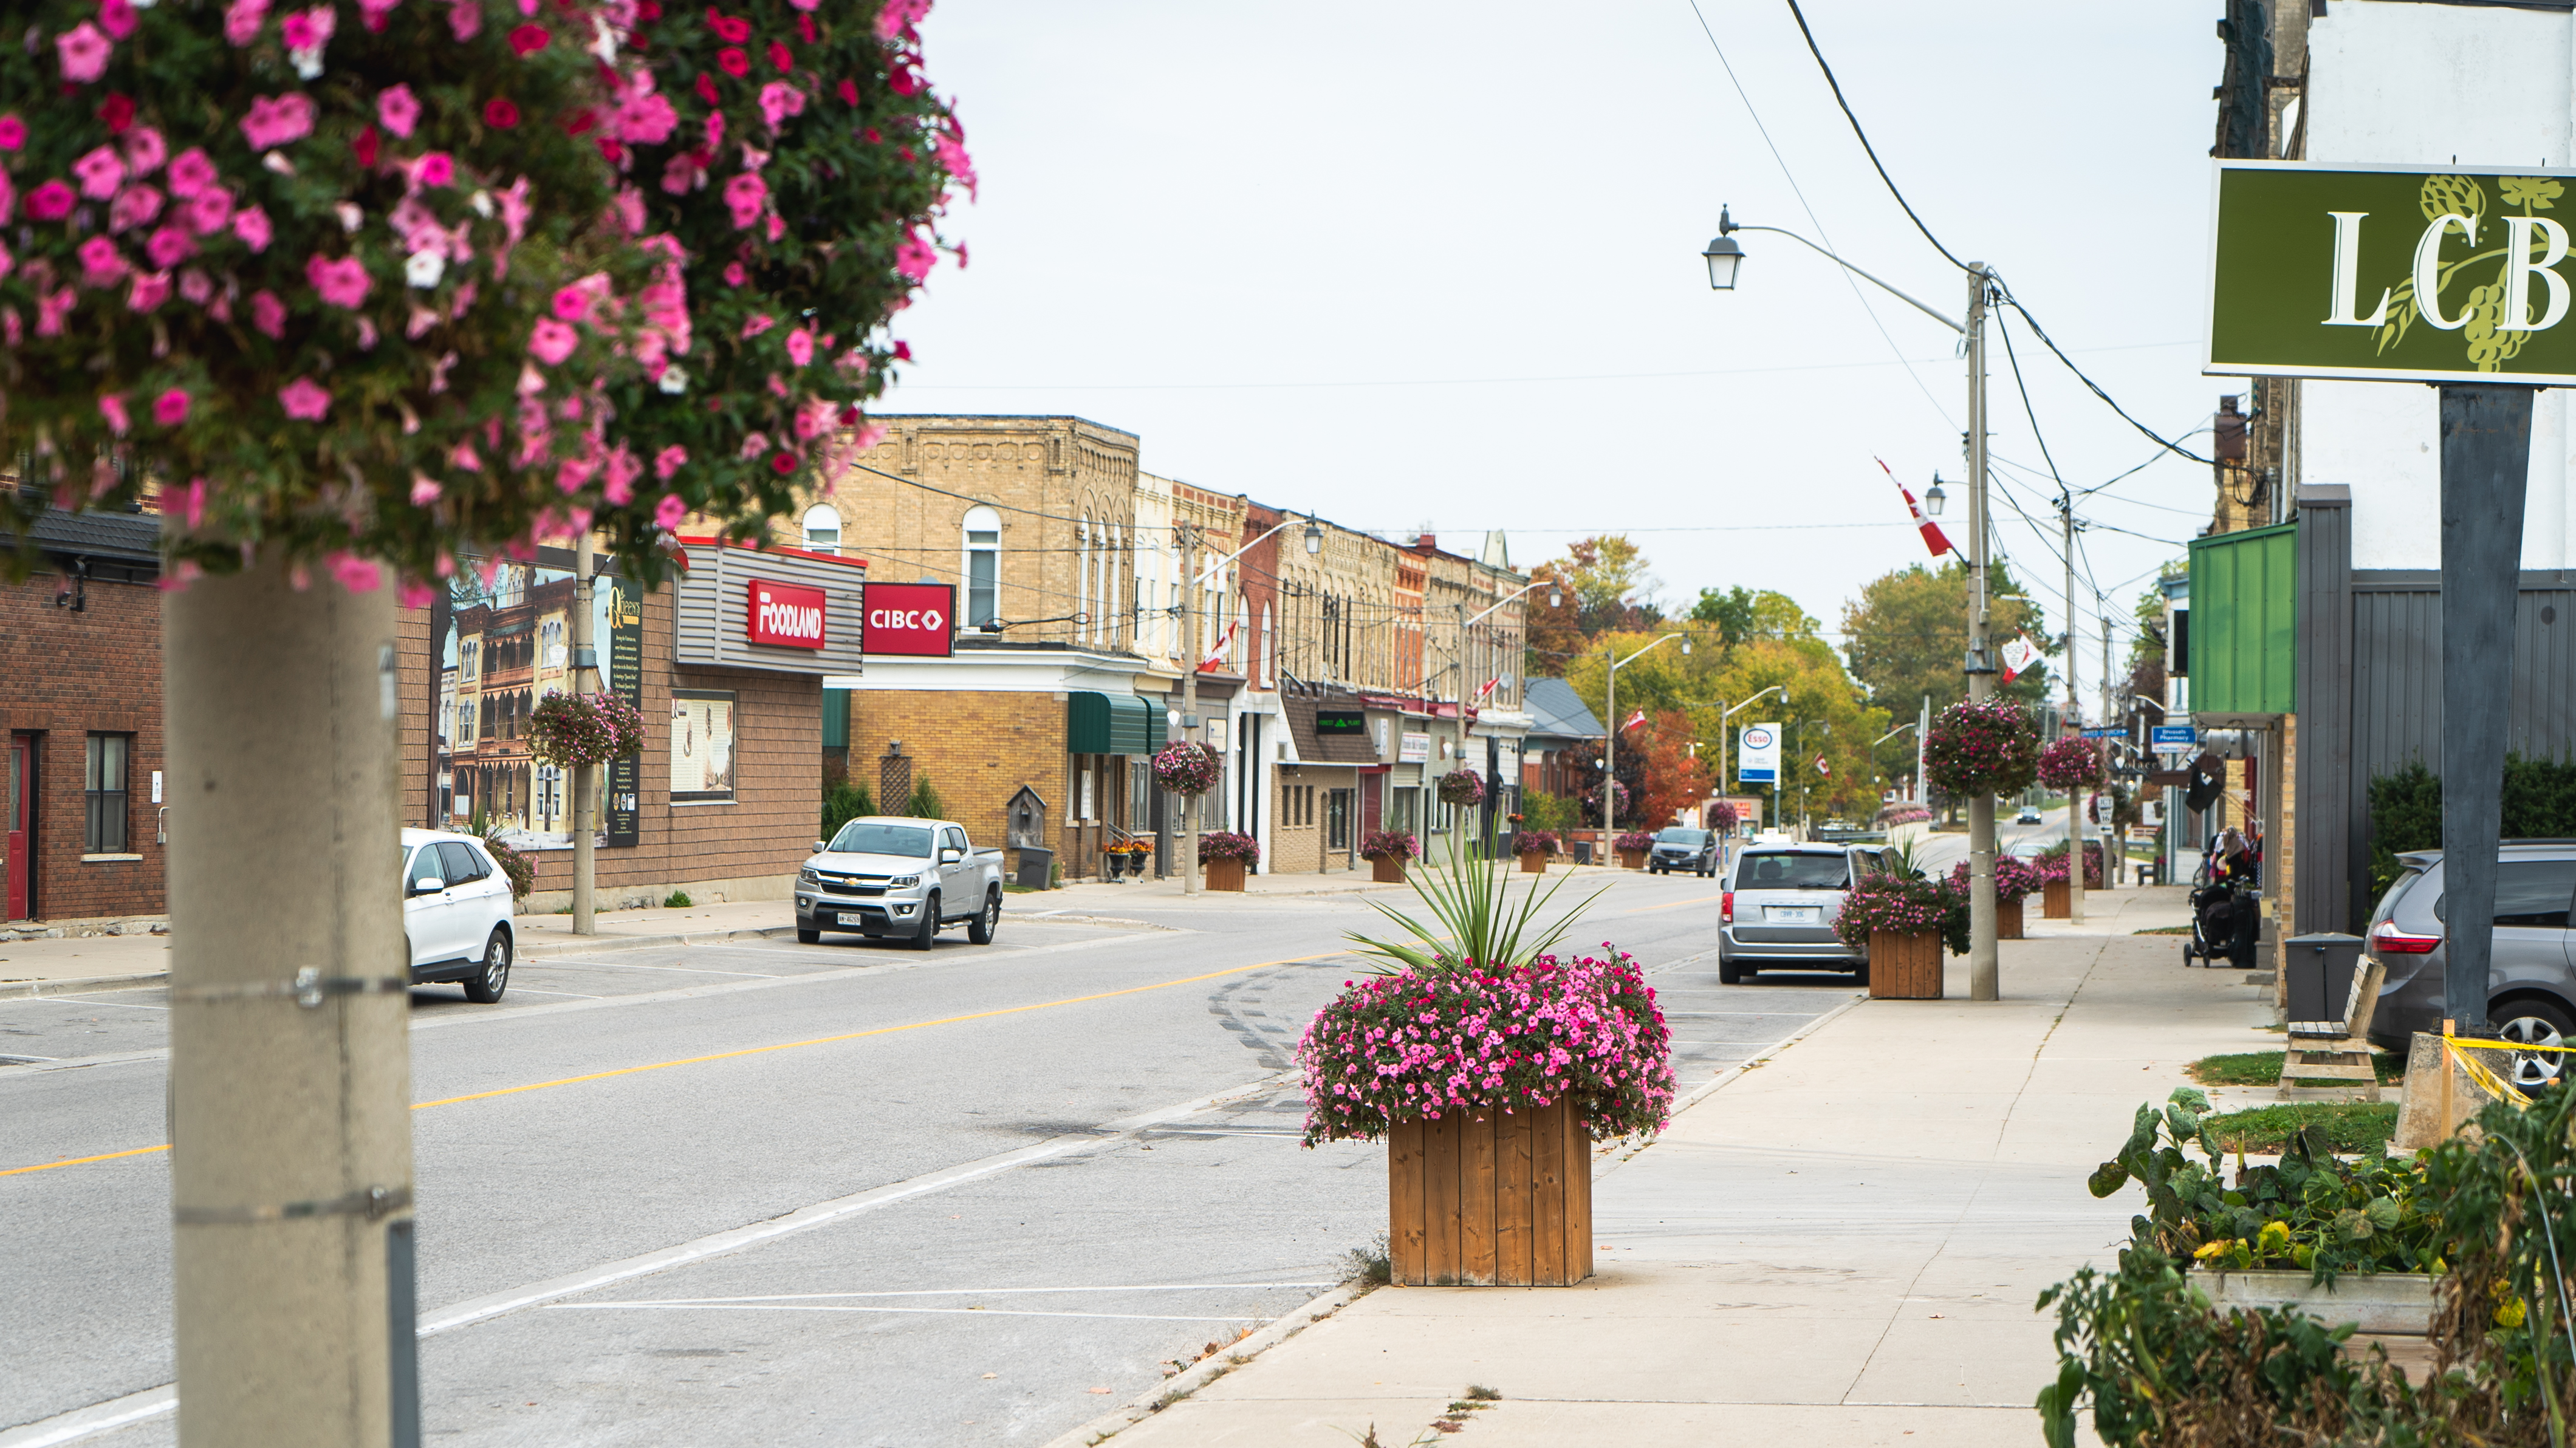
<point x="889" y="875"/>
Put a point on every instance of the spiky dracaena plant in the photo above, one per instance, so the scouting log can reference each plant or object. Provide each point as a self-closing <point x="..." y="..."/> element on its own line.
<point x="1475" y="917"/>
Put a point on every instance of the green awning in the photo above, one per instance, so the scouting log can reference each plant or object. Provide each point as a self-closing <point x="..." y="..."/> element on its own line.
<point x="2244" y="621"/>
<point x="1110" y="724"/>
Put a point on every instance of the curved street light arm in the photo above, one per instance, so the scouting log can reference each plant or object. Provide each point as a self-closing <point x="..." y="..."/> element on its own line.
<point x="1892" y="733"/>
<point x="1725" y="226"/>
<point x="1659" y="643"/>
<point x="1747" y="704"/>
<point x="1508" y="597"/>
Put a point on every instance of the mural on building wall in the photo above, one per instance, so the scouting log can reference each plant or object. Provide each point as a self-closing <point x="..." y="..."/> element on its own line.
<point x="501" y="643"/>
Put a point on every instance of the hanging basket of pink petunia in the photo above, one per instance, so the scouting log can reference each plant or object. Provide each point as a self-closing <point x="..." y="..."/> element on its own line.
<point x="1981" y="747"/>
<point x="1186" y="768"/>
<point x="1462" y="789"/>
<point x="2070" y="763"/>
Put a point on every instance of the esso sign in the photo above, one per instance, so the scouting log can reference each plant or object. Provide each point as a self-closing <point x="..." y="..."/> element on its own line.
<point x="915" y="620"/>
<point x="786" y="616"/>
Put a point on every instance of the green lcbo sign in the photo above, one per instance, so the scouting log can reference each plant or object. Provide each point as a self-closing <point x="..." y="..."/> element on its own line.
<point x="2390" y="273"/>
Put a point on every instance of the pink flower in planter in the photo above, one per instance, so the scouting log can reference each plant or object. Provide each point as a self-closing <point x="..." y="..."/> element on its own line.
<point x="744" y="196"/>
<point x="304" y="400"/>
<point x="243" y="19"/>
<point x="170" y="408"/>
<point x="100" y="172"/>
<point x="191" y="173"/>
<point x="342" y="283"/>
<point x="398" y="109"/>
<point x="83" y="50"/>
<point x="102" y="265"/>
<point x="112" y="407"/>
<point x="267" y="313"/>
<point x="551" y="341"/>
<point x="275" y="120"/>
<point x="145" y="150"/>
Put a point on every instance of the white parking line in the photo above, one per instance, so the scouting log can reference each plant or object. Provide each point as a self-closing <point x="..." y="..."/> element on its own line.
<point x="81" y="1001"/>
<point x="907" y="1311"/>
<point x="996" y="1291"/>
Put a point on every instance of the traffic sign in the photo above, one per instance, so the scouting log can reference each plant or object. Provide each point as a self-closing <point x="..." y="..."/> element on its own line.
<point x="2174" y="738"/>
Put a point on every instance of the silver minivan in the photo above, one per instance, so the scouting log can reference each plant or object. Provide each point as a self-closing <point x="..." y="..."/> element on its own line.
<point x="1779" y="909"/>
<point x="2531" y="978"/>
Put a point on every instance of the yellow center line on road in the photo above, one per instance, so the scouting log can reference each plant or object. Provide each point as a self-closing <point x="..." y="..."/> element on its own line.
<point x="753" y="1051"/>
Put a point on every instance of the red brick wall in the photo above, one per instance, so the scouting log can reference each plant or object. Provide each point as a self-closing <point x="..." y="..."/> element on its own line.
<point x="64" y="676"/>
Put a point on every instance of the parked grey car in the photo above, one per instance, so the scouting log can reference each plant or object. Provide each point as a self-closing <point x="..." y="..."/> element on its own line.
<point x="1779" y="907"/>
<point x="1681" y="849"/>
<point x="2531" y="980"/>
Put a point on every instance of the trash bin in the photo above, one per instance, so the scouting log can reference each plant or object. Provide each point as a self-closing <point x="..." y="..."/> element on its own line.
<point x="1583" y="852"/>
<point x="2321" y="968"/>
<point x="1036" y="865"/>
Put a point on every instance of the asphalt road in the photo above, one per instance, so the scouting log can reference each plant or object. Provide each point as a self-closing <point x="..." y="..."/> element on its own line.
<point x="1024" y="1178"/>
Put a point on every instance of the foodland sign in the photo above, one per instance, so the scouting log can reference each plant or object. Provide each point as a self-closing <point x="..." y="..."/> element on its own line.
<point x="786" y="616"/>
<point x="910" y="620"/>
<point x="2392" y="273"/>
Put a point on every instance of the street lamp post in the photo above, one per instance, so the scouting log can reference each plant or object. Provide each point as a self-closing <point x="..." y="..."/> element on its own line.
<point x="1725" y="257"/>
<point x="1191" y="662"/>
<point x="1610" y="743"/>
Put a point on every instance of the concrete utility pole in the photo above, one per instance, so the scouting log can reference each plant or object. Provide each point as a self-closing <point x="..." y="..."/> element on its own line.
<point x="1985" y="982"/>
<point x="2110" y="826"/>
<point x="1463" y="674"/>
<point x="290" y="1048"/>
<point x="2074" y="797"/>
<point x="1189" y="702"/>
<point x="1922" y="731"/>
<point x="585" y="777"/>
<point x="1610" y="746"/>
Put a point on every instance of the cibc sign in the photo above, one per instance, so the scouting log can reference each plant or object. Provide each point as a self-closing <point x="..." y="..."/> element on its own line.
<point x="786" y="616"/>
<point x="910" y="620"/>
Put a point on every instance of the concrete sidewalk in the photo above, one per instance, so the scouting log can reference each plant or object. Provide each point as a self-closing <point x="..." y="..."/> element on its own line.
<point x="1839" y="1245"/>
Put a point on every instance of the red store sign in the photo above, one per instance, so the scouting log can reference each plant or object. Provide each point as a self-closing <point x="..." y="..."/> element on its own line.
<point x="786" y="616"/>
<point x="915" y="620"/>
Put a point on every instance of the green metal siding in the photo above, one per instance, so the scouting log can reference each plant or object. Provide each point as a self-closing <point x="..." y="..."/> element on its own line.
<point x="836" y="718"/>
<point x="1108" y="724"/>
<point x="2244" y="621"/>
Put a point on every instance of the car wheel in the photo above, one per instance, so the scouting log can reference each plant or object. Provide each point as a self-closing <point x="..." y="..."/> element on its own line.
<point x="485" y="986"/>
<point x="808" y="937"/>
<point x="1728" y="972"/>
<point x="928" y="931"/>
<point x="986" y="921"/>
<point x="2534" y="1023"/>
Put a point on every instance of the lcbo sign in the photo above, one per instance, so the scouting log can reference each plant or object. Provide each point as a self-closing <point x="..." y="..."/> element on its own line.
<point x="913" y="620"/>
<point x="2390" y="273"/>
<point x="786" y="616"/>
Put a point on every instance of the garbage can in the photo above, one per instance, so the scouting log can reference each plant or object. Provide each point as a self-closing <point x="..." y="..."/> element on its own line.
<point x="2321" y="968"/>
<point x="1583" y="852"/>
<point x="1036" y="865"/>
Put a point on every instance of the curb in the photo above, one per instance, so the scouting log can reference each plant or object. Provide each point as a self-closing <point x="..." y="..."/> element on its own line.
<point x="1206" y="1370"/>
<point x="81" y="984"/>
<point x="593" y="944"/>
<point x="1710" y="1087"/>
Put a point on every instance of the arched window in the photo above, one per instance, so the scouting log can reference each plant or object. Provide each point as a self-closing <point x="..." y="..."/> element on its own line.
<point x="983" y="566"/>
<point x="1113" y="571"/>
<point x="823" y="529"/>
<point x="1269" y="654"/>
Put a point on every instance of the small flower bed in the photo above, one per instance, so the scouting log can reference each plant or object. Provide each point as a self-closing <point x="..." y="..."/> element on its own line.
<point x="1981" y="748"/>
<point x="577" y="729"/>
<point x="1227" y="845"/>
<point x="1903" y="815"/>
<point x="1389" y="845"/>
<point x="2070" y="763"/>
<point x="1634" y="840"/>
<point x="1185" y="768"/>
<point x="2015" y="878"/>
<point x="1901" y="905"/>
<point x="1413" y="1045"/>
<point x="1462" y="788"/>
<point x="1535" y="842"/>
<point x="2051" y="865"/>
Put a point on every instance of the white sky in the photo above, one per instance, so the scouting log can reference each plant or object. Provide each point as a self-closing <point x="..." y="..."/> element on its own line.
<point x="1403" y="263"/>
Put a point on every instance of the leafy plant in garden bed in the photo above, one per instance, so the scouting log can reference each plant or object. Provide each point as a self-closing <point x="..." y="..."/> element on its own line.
<point x="577" y="729"/>
<point x="1535" y="842"/>
<point x="1228" y="845"/>
<point x="1186" y="768"/>
<point x="1389" y="845"/>
<point x="1462" y="788"/>
<point x="2344" y="1127"/>
<point x="1902" y="905"/>
<point x="1981" y="747"/>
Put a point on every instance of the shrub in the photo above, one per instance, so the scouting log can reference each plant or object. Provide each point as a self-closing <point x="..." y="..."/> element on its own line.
<point x="925" y="803"/>
<point x="1462" y="788"/>
<point x="2538" y="799"/>
<point x="1228" y="845"/>
<point x="1535" y="842"/>
<point x="1902" y="905"/>
<point x="1186" y="769"/>
<point x="517" y="868"/>
<point x="2070" y="763"/>
<point x="577" y="729"/>
<point x="677" y="900"/>
<point x="1416" y="1044"/>
<point x="1390" y="845"/>
<point x="843" y="801"/>
<point x="1982" y="747"/>
<point x="1548" y="812"/>
<point x="1634" y="840"/>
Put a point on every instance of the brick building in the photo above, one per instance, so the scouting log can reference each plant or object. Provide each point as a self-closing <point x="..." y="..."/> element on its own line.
<point x="80" y="711"/>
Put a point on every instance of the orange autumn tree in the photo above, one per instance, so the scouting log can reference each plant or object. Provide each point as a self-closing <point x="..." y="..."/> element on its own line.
<point x="1674" y="778"/>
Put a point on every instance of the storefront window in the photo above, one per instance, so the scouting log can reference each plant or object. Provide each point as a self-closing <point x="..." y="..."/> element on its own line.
<point x="702" y="738"/>
<point x="1337" y="819"/>
<point x="106" y="796"/>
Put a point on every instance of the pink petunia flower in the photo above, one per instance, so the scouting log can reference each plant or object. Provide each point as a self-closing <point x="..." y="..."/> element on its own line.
<point x="669" y="460"/>
<point x="572" y="304"/>
<point x="376" y="14"/>
<point x="251" y="225"/>
<point x="267" y="313"/>
<point x="191" y="173"/>
<point x="84" y="50"/>
<point x="171" y="408"/>
<point x="355" y="574"/>
<point x="145" y="150"/>
<point x="435" y="169"/>
<point x="134" y="206"/>
<point x="169" y="246"/>
<point x="50" y="202"/>
<point x="102" y="265"/>
<point x="112" y="407"/>
<point x="208" y="211"/>
<point x="645" y="119"/>
<point x="51" y="308"/>
<point x="117" y="16"/>
<point x="424" y="490"/>
<point x="915" y="257"/>
<point x="465" y="19"/>
<point x="243" y="19"/>
<point x="760" y="323"/>
<point x="13" y="133"/>
<point x="342" y="283"/>
<point x="668" y="513"/>
<point x="304" y="400"/>
<point x="734" y="275"/>
<point x="778" y="101"/>
<point x="551" y="341"/>
<point x="800" y="346"/>
<point x="275" y="120"/>
<point x="100" y="173"/>
<point x="398" y="109"/>
<point x="744" y="196"/>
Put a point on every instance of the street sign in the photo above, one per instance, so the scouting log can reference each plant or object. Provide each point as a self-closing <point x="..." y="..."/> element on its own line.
<point x="2394" y="273"/>
<point x="2174" y="738"/>
<point x="2106" y="733"/>
<point x="1757" y="758"/>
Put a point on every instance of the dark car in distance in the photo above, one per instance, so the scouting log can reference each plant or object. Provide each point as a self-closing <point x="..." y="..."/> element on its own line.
<point x="1681" y="849"/>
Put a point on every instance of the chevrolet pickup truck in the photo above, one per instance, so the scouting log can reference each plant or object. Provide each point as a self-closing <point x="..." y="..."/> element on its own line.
<point x="887" y="875"/>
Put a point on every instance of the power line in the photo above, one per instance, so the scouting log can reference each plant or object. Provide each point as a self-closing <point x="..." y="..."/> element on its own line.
<point x="1867" y="149"/>
<point x="2107" y="399"/>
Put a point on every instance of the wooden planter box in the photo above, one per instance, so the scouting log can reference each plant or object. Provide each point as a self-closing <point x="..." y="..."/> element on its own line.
<point x="1386" y="869"/>
<point x="1905" y="967"/>
<point x="1500" y="1202"/>
<point x="1225" y="874"/>
<point x="2052" y="901"/>
<point x="1534" y="862"/>
<point x="2380" y="1302"/>
<point x="2008" y="920"/>
<point x="1632" y="859"/>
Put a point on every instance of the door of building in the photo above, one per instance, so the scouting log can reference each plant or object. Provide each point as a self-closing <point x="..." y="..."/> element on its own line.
<point x="15" y="805"/>
<point x="1372" y="804"/>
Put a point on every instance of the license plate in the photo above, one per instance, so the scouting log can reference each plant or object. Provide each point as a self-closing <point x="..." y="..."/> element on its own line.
<point x="1794" y="914"/>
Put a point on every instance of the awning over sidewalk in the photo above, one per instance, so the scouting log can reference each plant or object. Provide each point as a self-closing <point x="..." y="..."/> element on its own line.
<point x="1110" y="724"/>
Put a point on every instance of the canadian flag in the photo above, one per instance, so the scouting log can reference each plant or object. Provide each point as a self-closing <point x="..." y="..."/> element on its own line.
<point x="1933" y="537"/>
<point x="1491" y="685"/>
<point x="1823" y="768"/>
<point x="1633" y="721"/>
<point x="1216" y="656"/>
<point x="2020" y="654"/>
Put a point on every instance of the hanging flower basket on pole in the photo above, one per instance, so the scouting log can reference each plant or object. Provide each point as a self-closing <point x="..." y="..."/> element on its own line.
<point x="2070" y="764"/>
<point x="1981" y="747"/>
<point x="574" y="730"/>
<point x="1462" y="789"/>
<point x="1186" y="769"/>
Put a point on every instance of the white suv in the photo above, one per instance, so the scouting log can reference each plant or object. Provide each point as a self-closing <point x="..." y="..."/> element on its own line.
<point x="456" y="913"/>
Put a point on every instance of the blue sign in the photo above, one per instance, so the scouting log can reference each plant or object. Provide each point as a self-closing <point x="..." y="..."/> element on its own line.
<point x="2106" y="733"/>
<point x="2175" y="738"/>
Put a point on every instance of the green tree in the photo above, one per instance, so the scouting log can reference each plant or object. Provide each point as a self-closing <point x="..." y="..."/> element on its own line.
<point x="1824" y="712"/>
<point x="1602" y="585"/>
<point x="1742" y="613"/>
<point x="1907" y="634"/>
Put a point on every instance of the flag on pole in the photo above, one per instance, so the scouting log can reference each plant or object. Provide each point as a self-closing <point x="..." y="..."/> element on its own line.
<point x="1633" y="721"/>
<point x="1933" y="537"/>
<point x="2020" y="654"/>
<point x="1822" y="768"/>
<point x="1491" y="685"/>
<point x="1216" y="656"/>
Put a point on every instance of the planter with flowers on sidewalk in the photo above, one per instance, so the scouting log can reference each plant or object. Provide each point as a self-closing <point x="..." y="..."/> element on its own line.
<point x="1227" y="856"/>
<point x="1533" y="847"/>
<point x="1488" y="1065"/>
<point x="1386" y="851"/>
<point x="2016" y="880"/>
<point x="1633" y="847"/>
<point x="1903" y="921"/>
